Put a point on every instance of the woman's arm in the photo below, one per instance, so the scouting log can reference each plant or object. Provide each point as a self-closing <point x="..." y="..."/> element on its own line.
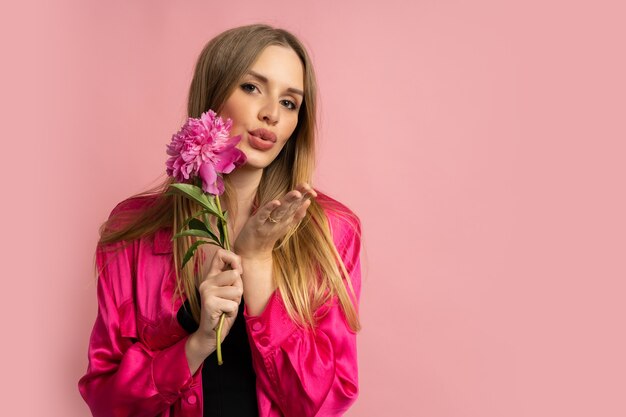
<point x="125" y="377"/>
<point x="301" y="372"/>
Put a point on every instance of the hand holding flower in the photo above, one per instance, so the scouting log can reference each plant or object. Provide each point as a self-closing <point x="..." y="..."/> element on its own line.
<point x="220" y="291"/>
<point x="200" y="152"/>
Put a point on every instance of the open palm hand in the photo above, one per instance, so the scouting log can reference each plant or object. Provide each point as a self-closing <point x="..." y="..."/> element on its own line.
<point x="272" y="221"/>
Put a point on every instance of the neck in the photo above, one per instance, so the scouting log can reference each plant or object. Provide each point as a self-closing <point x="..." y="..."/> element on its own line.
<point x="246" y="181"/>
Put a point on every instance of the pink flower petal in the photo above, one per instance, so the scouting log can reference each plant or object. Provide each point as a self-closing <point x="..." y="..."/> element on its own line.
<point x="202" y="147"/>
<point x="218" y="187"/>
<point x="209" y="176"/>
<point x="229" y="160"/>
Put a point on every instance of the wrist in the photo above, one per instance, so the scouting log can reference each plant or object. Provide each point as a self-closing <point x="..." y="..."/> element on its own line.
<point x="197" y="349"/>
<point x="201" y="343"/>
<point x="253" y="253"/>
<point x="258" y="257"/>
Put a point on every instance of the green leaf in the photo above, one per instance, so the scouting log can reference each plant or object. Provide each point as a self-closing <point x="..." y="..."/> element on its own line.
<point x="197" y="233"/>
<point x="197" y="224"/>
<point x="194" y="216"/>
<point x="196" y="194"/>
<point x="192" y="250"/>
<point x="186" y="222"/>
<point x="200" y="225"/>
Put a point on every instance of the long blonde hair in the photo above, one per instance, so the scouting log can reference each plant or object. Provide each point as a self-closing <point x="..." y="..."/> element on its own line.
<point x="307" y="269"/>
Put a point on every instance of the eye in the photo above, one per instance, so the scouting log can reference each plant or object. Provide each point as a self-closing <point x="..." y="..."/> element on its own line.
<point x="248" y="87"/>
<point x="290" y="104"/>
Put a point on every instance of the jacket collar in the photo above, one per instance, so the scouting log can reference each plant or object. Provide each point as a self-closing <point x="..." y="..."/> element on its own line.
<point x="162" y="243"/>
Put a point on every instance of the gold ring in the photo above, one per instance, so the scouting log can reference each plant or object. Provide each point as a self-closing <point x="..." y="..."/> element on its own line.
<point x="272" y="220"/>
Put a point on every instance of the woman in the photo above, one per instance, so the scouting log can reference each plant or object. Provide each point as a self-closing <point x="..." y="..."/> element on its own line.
<point x="290" y="286"/>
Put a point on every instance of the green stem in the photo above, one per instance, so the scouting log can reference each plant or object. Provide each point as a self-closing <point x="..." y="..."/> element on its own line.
<point x="219" y="339"/>
<point x="223" y="316"/>
<point x="224" y="224"/>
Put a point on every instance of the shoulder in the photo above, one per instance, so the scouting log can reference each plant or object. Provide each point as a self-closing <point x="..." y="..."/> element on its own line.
<point x="345" y="224"/>
<point x="121" y="216"/>
<point x="126" y="211"/>
<point x="116" y="261"/>
<point x="133" y="204"/>
<point x="345" y="228"/>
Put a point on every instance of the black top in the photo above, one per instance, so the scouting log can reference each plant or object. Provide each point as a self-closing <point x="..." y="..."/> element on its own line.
<point x="227" y="389"/>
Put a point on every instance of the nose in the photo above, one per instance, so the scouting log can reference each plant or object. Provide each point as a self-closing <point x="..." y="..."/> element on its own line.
<point x="269" y="113"/>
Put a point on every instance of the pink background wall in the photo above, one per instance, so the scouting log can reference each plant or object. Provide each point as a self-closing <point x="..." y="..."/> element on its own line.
<point x="481" y="143"/>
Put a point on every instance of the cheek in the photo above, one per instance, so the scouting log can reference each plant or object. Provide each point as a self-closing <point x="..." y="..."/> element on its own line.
<point x="290" y="128"/>
<point x="232" y="108"/>
<point x="236" y="121"/>
<point x="227" y="112"/>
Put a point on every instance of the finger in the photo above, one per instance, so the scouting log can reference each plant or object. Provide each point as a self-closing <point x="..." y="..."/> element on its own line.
<point x="307" y="193"/>
<point x="301" y="212"/>
<point x="289" y="201"/>
<point x="267" y="209"/>
<point x="229" y="307"/>
<point x="306" y="190"/>
<point x="229" y="293"/>
<point x="229" y="279"/>
<point x="298" y="207"/>
<point x="222" y="279"/>
<point x="221" y="259"/>
<point x="239" y="283"/>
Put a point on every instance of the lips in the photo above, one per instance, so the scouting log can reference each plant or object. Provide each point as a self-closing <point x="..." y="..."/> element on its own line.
<point x="264" y="134"/>
<point x="260" y="144"/>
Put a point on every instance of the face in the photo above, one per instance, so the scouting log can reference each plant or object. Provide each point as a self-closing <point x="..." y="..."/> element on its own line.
<point x="266" y="102"/>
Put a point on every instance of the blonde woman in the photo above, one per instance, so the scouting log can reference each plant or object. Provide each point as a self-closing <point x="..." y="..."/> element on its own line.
<point x="289" y="288"/>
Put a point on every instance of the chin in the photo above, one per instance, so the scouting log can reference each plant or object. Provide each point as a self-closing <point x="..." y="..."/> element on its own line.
<point x="252" y="162"/>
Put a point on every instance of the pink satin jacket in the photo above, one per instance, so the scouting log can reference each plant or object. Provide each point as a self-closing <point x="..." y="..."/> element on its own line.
<point x="137" y="362"/>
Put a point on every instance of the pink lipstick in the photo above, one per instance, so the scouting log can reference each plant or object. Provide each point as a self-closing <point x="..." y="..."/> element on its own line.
<point x="261" y="139"/>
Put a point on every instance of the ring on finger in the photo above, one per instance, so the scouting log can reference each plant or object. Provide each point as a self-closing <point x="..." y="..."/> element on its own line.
<point x="271" y="219"/>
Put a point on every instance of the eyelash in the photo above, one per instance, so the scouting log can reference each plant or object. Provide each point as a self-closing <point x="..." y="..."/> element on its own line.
<point x="295" y="106"/>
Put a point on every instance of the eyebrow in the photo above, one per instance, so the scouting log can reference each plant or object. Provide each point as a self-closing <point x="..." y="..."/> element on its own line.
<point x="264" y="79"/>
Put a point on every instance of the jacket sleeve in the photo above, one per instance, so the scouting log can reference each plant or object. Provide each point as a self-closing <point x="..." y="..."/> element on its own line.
<point x="124" y="376"/>
<point x="305" y="373"/>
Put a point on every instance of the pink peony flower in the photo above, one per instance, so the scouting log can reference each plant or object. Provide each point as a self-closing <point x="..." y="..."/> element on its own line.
<point x="202" y="148"/>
